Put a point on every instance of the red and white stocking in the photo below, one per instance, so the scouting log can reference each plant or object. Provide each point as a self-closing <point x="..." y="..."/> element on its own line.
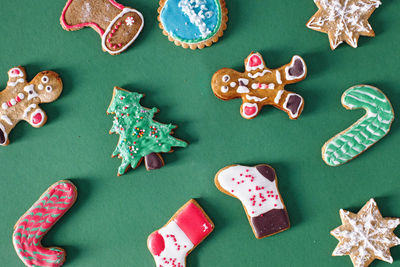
<point x="172" y="243"/>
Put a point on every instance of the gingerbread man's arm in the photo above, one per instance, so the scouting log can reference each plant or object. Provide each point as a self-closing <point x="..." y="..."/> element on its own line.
<point x="16" y="76"/>
<point x="293" y="72"/>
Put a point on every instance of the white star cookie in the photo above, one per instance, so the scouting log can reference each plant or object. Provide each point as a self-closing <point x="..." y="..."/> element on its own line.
<point x="366" y="236"/>
<point x="343" y="20"/>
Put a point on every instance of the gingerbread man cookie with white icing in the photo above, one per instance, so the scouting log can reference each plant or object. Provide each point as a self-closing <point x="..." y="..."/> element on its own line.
<point x="259" y="86"/>
<point x="20" y="99"/>
<point x="257" y="188"/>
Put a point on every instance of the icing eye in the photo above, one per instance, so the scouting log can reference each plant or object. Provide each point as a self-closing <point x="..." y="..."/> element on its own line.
<point x="226" y="78"/>
<point x="49" y="88"/>
<point x="224" y="89"/>
<point x="45" y="79"/>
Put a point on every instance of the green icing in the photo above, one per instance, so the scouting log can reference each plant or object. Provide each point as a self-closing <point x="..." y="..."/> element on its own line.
<point x="366" y="131"/>
<point x="139" y="134"/>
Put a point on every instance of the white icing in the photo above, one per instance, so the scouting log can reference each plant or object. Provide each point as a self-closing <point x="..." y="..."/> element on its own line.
<point x="258" y="74"/>
<point x="255" y="85"/>
<point x="4" y="106"/>
<point x="271" y="86"/>
<point x="244" y="81"/>
<point x="21" y="96"/>
<point x="45" y="79"/>
<point x="13" y="101"/>
<point x="224" y="89"/>
<point x="28" y="109"/>
<point x="344" y="19"/>
<point x="366" y="234"/>
<point x="249" y="105"/>
<point x="30" y="88"/>
<point x="232" y="84"/>
<point x="21" y="74"/>
<point x="20" y="80"/>
<point x="290" y="77"/>
<point x="226" y="78"/>
<point x="254" y="98"/>
<point x="294" y="115"/>
<point x="171" y="251"/>
<point x="6" y="119"/>
<point x="5" y="133"/>
<point x="243" y="90"/>
<point x="278" y="96"/>
<point x="129" y="21"/>
<point x="264" y="195"/>
<point x="197" y="18"/>
<point x="40" y="86"/>
<point x="278" y="77"/>
<point x="104" y="37"/>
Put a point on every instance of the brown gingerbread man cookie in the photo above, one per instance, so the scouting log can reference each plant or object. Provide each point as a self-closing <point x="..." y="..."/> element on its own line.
<point x="20" y="99"/>
<point x="259" y="86"/>
<point x="117" y="25"/>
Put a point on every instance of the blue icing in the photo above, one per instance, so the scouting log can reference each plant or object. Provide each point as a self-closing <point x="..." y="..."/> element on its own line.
<point x="191" y="21"/>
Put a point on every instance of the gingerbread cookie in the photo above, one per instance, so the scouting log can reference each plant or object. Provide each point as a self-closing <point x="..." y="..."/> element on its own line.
<point x="368" y="130"/>
<point x="366" y="236"/>
<point x="20" y="99"/>
<point x="343" y="20"/>
<point x="257" y="189"/>
<point x="259" y="86"/>
<point x="140" y="136"/>
<point x="170" y="244"/>
<point x="117" y="25"/>
<point x="38" y="220"/>
<point x="193" y="23"/>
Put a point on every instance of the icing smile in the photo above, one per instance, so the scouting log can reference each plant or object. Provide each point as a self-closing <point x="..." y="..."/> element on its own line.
<point x="250" y="110"/>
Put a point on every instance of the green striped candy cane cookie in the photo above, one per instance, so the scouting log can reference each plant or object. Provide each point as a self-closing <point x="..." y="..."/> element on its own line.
<point x="368" y="130"/>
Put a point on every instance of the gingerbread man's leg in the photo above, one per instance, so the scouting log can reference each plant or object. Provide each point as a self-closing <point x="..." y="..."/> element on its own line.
<point x="34" y="115"/>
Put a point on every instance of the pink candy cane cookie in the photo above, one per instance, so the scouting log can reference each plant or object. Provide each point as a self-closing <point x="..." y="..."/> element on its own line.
<point x="38" y="220"/>
<point x="189" y="226"/>
<point x="20" y="99"/>
<point x="117" y="25"/>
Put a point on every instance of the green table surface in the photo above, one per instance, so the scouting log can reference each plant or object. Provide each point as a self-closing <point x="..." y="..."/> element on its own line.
<point x="110" y="222"/>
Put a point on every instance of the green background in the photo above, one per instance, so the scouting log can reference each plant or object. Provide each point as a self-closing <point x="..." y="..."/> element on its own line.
<point x="110" y="222"/>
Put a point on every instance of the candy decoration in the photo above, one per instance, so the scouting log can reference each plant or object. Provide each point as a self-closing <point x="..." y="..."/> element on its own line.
<point x="257" y="189"/>
<point x="189" y="226"/>
<point x="368" y="130"/>
<point x="38" y="220"/>
<point x="140" y="135"/>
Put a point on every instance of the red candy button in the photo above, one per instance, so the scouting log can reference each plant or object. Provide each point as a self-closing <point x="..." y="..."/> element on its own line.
<point x="37" y="118"/>
<point x="156" y="243"/>
<point x="255" y="61"/>
<point x="250" y="110"/>
<point x="15" y="71"/>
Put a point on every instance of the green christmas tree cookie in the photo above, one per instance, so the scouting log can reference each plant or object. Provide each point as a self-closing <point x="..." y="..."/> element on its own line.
<point x="140" y="136"/>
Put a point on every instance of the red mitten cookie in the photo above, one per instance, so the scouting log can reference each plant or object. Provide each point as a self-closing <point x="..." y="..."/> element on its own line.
<point x="117" y="25"/>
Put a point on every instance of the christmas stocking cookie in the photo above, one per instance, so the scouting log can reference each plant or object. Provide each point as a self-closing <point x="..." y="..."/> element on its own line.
<point x="20" y="99"/>
<point x="117" y="25"/>
<point x="257" y="189"/>
<point x="189" y="226"/>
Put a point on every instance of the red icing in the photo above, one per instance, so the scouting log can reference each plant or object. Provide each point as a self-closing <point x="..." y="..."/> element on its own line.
<point x="37" y="118"/>
<point x="16" y="71"/>
<point x="156" y="243"/>
<point x="250" y="110"/>
<point x="255" y="61"/>
<point x="194" y="223"/>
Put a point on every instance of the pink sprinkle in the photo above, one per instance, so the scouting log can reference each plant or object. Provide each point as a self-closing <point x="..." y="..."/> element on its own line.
<point x="113" y="31"/>
<point x="119" y="23"/>
<point x="119" y="45"/>
<point x="110" y="35"/>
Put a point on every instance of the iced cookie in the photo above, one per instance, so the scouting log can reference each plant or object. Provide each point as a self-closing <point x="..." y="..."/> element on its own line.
<point x="140" y="136"/>
<point x="259" y="86"/>
<point x="170" y="244"/>
<point x="193" y="23"/>
<point x="20" y="99"/>
<point x="257" y="189"/>
<point x="366" y="236"/>
<point x="38" y="220"/>
<point x="368" y="130"/>
<point x="343" y="20"/>
<point x="117" y="25"/>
